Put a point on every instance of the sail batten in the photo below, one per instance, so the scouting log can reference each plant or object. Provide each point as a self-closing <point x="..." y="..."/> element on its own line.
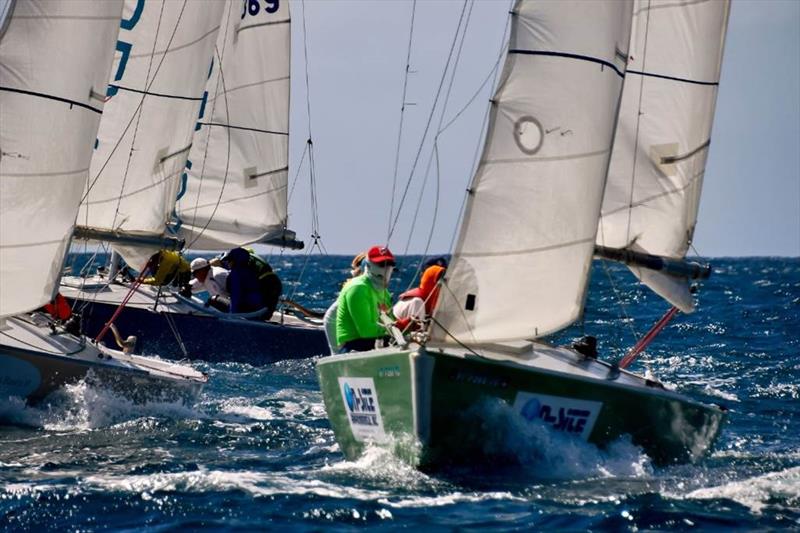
<point x="53" y="57"/>
<point x="521" y="265"/>
<point x="652" y="194"/>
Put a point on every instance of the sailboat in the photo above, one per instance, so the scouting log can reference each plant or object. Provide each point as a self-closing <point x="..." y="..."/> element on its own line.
<point x="54" y="62"/>
<point x="596" y="146"/>
<point x="193" y="156"/>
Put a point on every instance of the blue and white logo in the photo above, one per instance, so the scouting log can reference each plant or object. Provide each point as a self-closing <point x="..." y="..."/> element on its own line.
<point x="363" y="411"/>
<point x="576" y="417"/>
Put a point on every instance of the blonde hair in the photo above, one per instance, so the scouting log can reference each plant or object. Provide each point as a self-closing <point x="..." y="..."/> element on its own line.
<point x="355" y="264"/>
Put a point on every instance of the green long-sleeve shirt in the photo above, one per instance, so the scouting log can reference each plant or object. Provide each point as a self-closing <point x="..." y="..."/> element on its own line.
<point x="359" y="309"/>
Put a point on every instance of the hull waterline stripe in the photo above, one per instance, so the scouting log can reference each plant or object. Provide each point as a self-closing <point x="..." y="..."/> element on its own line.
<point x="591" y="59"/>
<point x="52" y="97"/>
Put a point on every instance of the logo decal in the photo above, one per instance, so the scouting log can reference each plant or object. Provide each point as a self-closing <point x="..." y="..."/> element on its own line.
<point x="363" y="410"/>
<point x="576" y="417"/>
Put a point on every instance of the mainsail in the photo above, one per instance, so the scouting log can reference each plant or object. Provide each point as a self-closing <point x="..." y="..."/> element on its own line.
<point x="155" y="93"/>
<point x="55" y="59"/>
<point x="235" y="186"/>
<point x="657" y="167"/>
<point x="521" y="265"/>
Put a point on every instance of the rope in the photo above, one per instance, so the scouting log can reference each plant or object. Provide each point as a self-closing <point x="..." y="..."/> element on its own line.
<point x="427" y="125"/>
<point x="134" y="286"/>
<point x="174" y="328"/>
<point x="402" y="115"/>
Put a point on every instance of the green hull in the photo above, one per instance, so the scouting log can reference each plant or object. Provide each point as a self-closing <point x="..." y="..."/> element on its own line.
<point x="436" y="406"/>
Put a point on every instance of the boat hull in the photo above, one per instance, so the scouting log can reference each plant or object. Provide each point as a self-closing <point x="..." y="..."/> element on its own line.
<point x="437" y="407"/>
<point x="204" y="336"/>
<point x="35" y="362"/>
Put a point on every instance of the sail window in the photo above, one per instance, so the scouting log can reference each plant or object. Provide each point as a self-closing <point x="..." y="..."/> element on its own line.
<point x="529" y="134"/>
<point x="470" y="305"/>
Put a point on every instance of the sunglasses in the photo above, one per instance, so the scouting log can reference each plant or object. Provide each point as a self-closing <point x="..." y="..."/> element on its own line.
<point x="384" y="264"/>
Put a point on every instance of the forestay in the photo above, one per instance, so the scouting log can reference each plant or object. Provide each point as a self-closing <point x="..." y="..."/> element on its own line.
<point x="521" y="265"/>
<point x="235" y="188"/>
<point x="656" y="173"/>
<point x="55" y="59"/>
<point x="155" y="93"/>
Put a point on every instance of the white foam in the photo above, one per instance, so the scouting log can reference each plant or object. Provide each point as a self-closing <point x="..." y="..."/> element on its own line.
<point x="758" y="492"/>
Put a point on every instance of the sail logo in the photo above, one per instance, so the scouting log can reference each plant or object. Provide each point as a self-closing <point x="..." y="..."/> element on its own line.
<point x="576" y="417"/>
<point x="363" y="411"/>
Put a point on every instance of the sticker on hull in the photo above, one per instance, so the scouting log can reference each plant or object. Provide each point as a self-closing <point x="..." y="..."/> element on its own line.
<point x="363" y="411"/>
<point x="576" y="417"/>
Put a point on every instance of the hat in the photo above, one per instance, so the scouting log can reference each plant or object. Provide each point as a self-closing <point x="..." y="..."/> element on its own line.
<point x="199" y="263"/>
<point x="380" y="254"/>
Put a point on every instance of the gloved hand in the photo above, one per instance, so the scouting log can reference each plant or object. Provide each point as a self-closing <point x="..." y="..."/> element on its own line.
<point x="186" y="291"/>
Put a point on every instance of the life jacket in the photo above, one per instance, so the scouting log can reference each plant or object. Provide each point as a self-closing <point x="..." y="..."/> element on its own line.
<point x="59" y="308"/>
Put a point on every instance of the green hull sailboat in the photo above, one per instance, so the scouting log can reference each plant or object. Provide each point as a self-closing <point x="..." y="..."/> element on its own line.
<point x="431" y="405"/>
<point x="596" y="146"/>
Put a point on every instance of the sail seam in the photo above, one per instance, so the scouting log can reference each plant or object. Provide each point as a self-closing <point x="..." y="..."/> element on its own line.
<point x="529" y="250"/>
<point x="30" y="244"/>
<point x="644" y="201"/>
<point x="160" y="95"/>
<point x="45" y="174"/>
<point x="673" y="78"/>
<point x="248" y="197"/>
<point x="248" y="85"/>
<point x="52" y="97"/>
<point x="550" y="158"/>
<point x="273" y="23"/>
<point x="256" y="130"/>
<point x="133" y="193"/>
<point x="169" y="49"/>
<point x="568" y="55"/>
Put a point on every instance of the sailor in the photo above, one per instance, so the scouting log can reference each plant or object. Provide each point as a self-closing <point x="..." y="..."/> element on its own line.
<point x="252" y="284"/>
<point x="210" y="279"/>
<point x="329" y="320"/>
<point x="168" y="268"/>
<point x="361" y="302"/>
<point x="418" y="304"/>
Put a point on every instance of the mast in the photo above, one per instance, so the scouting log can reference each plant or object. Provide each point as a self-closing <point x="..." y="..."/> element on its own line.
<point x="520" y="268"/>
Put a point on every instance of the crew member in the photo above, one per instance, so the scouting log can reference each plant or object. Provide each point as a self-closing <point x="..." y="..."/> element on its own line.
<point x="210" y="279"/>
<point x="361" y="302"/>
<point x="169" y="268"/>
<point x="329" y="320"/>
<point x="252" y="284"/>
<point x="418" y="304"/>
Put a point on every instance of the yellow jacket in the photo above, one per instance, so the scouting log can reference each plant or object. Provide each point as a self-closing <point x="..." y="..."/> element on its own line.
<point x="170" y="265"/>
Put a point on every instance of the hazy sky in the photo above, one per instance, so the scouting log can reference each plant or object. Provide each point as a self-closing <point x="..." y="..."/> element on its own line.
<point x="357" y="50"/>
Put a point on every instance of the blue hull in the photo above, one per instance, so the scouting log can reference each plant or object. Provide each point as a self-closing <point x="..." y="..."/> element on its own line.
<point x="206" y="337"/>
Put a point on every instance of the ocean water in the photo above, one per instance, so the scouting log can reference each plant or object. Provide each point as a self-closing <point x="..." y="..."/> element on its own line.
<point x="257" y="452"/>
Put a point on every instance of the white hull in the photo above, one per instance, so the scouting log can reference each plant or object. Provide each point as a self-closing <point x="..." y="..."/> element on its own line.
<point x="34" y="361"/>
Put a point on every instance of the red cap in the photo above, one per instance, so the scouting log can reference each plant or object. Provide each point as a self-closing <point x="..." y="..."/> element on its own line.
<point x="380" y="254"/>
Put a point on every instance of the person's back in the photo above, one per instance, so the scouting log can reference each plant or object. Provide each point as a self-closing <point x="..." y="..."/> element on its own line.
<point x="169" y="267"/>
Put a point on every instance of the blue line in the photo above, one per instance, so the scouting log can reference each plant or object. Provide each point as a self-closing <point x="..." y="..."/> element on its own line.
<point x="162" y="95"/>
<point x="137" y="14"/>
<point x="570" y="56"/>
<point x="673" y="78"/>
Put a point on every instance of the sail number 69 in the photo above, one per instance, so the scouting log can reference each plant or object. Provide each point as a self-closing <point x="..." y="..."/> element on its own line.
<point x="252" y="7"/>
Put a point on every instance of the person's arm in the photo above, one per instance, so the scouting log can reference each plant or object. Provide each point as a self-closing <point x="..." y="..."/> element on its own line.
<point x="235" y="290"/>
<point x="364" y="312"/>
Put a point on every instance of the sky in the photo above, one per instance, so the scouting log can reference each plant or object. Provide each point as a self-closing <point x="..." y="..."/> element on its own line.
<point x="356" y="59"/>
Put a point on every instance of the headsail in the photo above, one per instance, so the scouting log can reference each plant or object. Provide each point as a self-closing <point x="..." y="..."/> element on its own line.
<point x="521" y="266"/>
<point x="155" y="92"/>
<point x="656" y="173"/>
<point x="55" y="59"/>
<point x="235" y="185"/>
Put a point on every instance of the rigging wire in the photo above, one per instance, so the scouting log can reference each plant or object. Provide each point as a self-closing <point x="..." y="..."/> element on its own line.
<point x="402" y="115"/>
<point x="393" y="226"/>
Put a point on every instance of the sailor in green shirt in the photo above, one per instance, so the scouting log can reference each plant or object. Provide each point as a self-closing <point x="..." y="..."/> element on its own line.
<point x="361" y="301"/>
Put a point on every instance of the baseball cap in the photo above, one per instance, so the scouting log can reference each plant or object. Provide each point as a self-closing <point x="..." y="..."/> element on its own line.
<point x="199" y="263"/>
<point x="380" y="254"/>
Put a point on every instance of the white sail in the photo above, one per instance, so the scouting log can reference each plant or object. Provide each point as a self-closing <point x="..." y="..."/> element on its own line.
<point x="656" y="173"/>
<point x="521" y="266"/>
<point x="236" y="178"/>
<point x="155" y="93"/>
<point x="55" y="59"/>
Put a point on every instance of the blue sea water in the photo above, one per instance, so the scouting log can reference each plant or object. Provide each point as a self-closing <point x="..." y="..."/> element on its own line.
<point x="257" y="452"/>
